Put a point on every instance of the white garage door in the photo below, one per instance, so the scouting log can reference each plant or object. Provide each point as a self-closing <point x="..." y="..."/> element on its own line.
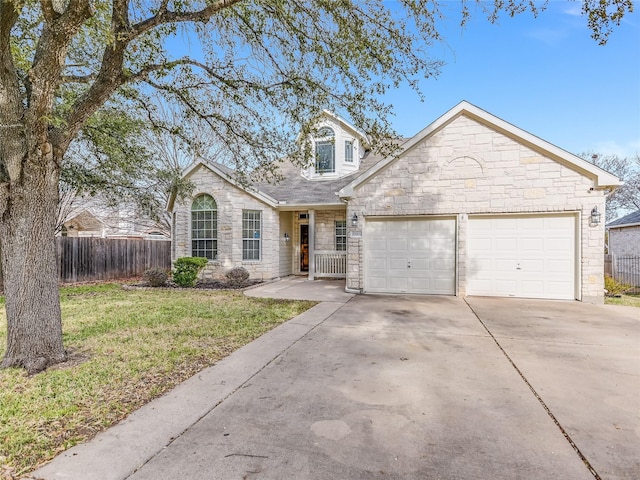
<point x="410" y="256"/>
<point x="525" y="256"/>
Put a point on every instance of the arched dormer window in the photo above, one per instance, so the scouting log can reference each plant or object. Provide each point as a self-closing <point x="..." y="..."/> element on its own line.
<point x="325" y="151"/>
<point x="204" y="227"/>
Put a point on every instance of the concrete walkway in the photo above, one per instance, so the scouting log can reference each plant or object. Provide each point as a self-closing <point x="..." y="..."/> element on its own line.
<point x="116" y="453"/>
<point x="396" y="387"/>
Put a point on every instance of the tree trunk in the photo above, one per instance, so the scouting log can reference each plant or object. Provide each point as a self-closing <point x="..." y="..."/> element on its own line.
<point x="29" y="264"/>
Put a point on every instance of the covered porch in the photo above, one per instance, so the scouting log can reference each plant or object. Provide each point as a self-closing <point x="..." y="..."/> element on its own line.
<point x="315" y="243"/>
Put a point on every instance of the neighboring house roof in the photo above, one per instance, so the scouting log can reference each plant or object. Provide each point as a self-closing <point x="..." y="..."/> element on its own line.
<point x="601" y="178"/>
<point x="84" y="220"/>
<point x="631" y="220"/>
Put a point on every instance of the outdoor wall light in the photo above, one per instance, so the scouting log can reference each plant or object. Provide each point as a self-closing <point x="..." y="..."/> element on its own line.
<point x="286" y="237"/>
<point x="354" y="220"/>
<point x="595" y="216"/>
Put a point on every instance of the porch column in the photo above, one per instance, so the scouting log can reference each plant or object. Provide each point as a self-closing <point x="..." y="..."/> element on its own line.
<point x="312" y="244"/>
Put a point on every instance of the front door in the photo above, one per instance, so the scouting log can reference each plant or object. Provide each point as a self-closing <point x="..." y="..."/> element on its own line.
<point x="304" y="248"/>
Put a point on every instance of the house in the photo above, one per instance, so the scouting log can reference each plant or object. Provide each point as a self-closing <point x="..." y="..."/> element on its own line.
<point x="95" y="217"/>
<point x="472" y="205"/>
<point x="624" y="235"/>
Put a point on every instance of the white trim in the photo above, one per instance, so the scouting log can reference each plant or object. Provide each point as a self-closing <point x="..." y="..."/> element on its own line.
<point x="623" y="225"/>
<point x="346" y="124"/>
<point x="601" y="178"/>
<point x="263" y="197"/>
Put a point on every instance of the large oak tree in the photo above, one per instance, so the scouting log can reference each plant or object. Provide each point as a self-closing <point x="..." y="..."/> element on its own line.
<point x="259" y="70"/>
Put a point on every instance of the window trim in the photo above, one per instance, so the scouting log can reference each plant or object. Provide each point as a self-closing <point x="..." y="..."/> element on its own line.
<point x="326" y="138"/>
<point x="253" y="239"/>
<point x="202" y="250"/>
<point x="348" y="151"/>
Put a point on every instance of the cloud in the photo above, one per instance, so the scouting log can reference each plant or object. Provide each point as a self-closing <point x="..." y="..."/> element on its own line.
<point x="573" y="10"/>
<point x="548" y="36"/>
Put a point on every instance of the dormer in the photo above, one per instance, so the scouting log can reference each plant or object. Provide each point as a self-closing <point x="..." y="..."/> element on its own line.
<point x="338" y="148"/>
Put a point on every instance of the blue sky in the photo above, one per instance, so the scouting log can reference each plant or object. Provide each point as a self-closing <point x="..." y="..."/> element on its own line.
<point x="545" y="75"/>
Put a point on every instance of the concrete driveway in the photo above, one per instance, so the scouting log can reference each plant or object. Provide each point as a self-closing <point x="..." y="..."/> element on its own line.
<point x="399" y="387"/>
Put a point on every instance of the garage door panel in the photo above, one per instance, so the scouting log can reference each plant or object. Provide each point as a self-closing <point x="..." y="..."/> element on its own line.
<point x="397" y="263"/>
<point x="420" y="264"/>
<point x="525" y="256"/>
<point x="397" y="244"/>
<point x="398" y="284"/>
<point x="378" y="263"/>
<point x="559" y="266"/>
<point x="419" y="245"/>
<point x="506" y="244"/>
<point x="378" y="244"/>
<point x="503" y="264"/>
<point x="444" y="264"/>
<point x="419" y="253"/>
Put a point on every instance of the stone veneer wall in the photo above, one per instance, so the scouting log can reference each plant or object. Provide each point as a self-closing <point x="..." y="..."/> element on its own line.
<point x="326" y="228"/>
<point x="624" y="241"/>
<point x="231" y="201"/>
<point x="467" y="168"/>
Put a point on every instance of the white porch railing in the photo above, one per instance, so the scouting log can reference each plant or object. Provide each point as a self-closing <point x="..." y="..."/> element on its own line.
<point x="330" y="264"/>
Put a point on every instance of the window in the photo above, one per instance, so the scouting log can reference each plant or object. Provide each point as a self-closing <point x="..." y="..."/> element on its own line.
<point x="325" y="151"/>
<point x="251" y="234"/>
<point x="341" y="235"/>
<point x="204" y="227"/>
<point x="348" y="151"/>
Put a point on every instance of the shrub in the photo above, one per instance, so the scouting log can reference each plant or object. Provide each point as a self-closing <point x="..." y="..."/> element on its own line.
<point x="237" y="276"/>
<point x="186" y="270"/>
<point x="155" y="277"/>
<point x="615" y="288"/>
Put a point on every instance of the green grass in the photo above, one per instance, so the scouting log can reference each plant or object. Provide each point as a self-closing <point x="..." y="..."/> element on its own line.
<point x="627" y="300"/>
<point x="125" y="347"/>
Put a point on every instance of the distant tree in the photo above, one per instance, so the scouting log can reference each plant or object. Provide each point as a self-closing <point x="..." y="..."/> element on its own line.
<point x="267" y="67"/>
<point x="627" y="196"/>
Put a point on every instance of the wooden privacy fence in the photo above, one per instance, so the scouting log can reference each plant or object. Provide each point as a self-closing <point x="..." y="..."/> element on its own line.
<point x="623" y="269"/>
<point x="88" y="259"/>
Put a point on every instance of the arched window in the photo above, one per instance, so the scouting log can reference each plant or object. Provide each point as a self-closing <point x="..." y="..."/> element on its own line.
<point x="325" y="151"/>
<point x="204" y="227"/>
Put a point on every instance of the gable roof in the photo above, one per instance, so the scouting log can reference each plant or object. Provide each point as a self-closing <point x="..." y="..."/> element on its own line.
<point x="601" y="178"/>
<point x="630" y="220"/>
<point x="296" y="190"/>
<point x="85" y="221"/>
<point x="347" y="126"/>
<point x="227" y="174"/>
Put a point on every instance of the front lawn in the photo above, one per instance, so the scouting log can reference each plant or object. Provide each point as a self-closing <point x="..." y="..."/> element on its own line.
<point x="125" y="347"/>
<point x="627" y="300"/>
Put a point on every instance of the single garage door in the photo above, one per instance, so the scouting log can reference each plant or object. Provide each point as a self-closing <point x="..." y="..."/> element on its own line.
<point x="410" y="256"/>
<point x="522" y="256"/>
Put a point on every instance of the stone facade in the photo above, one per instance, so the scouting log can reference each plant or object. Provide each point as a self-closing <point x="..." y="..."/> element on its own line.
<point x="325" y="238"/>
<point x="625" y="241"/>
<point x="467" y="165"/>
<point x="231" y="201"/>
<point x="466" y="168"/>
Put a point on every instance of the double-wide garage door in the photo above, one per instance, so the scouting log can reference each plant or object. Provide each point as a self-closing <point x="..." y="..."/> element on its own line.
<point x="531" y="256"/>
<point x="522" y="256"/>
<point x="415" y="255"/>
